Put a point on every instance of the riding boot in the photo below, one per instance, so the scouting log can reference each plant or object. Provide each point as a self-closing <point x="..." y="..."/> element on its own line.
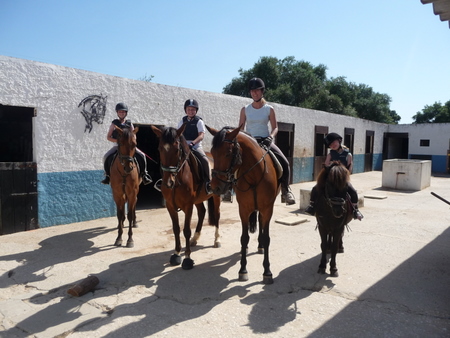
<point x="287" y="196"/>
<point x="310" y="209"/>
<point x="106" y="180"/>
<point x="356" y="213"/>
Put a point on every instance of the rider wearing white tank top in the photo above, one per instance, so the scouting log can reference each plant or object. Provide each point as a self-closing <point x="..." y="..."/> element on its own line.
<point x="258" y="120"/>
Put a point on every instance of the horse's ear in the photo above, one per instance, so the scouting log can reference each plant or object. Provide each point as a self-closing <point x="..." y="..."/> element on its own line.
<point x="119" y="130"/>
<point x="233" y="134"/>
<point x="211" y="130"/>
<point x="241" y="127"/>
<point x="181" y="129"/>
<point x="156" y="130"/>
<point x="135" y="130"/>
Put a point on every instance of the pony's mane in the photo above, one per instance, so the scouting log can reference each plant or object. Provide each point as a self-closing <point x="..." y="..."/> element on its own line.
<point x="127" y="133"/>
<point x="336" y="174"/>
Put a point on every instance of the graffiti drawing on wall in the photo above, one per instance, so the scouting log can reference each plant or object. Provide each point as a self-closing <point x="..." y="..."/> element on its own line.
<point x="93" y="110"/>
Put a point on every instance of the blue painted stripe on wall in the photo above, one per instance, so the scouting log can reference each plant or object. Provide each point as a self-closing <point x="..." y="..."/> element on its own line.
<point x="438" y="163"/>
<point x="75" y="196"/>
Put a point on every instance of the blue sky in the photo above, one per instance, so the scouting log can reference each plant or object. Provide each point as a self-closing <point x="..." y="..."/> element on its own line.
<point x="397" y="47"/>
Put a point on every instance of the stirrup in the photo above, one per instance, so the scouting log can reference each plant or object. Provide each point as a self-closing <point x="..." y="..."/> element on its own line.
<point x="146" y="179"/>
<point x="158" y="184"/>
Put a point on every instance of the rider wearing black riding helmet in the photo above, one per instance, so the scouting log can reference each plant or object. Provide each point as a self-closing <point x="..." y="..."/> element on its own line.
<point x="338" y="152"/>
<point x="194" y="132"/>
<point x="121" y="122"/>
<point x="255" y="117"/>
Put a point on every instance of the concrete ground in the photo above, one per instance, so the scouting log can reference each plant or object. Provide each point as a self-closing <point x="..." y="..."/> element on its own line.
<point x="394" y="276"/>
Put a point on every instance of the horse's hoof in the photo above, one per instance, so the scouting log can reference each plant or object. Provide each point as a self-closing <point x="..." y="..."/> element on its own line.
<point x="243" y="277"/>
<point x="341" y="250"/>
<point x="334" y="273"/>
<point x="261" y="251"/>
<point x="321" y="271"/>
<point x="267" y="279"/>
<point x="135" y="225"/>
<point x="217" y="245"/>
<point x="193" y="243"/>
<point x="130" y="244"/>
<point x="175" y="259"/>
<point x="188" y="264"/>
<point x="118" y="243"/>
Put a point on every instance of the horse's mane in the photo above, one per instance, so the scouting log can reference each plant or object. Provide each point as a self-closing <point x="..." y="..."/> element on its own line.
<point x="220" y="136"/>
<point x="126" y="133"/>
<point x="336" y="174"/>
<point x="169" y="136"/>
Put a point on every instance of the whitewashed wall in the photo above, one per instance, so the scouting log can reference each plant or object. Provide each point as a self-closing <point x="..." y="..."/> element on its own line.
<point x="69" y="158"/>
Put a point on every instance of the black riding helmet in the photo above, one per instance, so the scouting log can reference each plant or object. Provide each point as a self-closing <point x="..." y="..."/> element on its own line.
<point x="191" y="103"/>
<point x="121" y="106"/>
<point x="256" y="83"/>
<point x="331" y="137"/>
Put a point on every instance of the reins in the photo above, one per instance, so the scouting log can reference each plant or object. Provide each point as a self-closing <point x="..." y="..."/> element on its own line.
<point x="229" y="172"/>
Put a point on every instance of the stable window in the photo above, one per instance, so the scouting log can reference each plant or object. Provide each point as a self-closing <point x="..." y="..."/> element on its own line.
<point x="424" y="143"/>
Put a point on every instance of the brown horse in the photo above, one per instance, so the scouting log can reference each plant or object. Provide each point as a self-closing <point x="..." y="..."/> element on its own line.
<point x="182" y="188"/>
<point x="125" y="182"/>
<point x="333" y="211"/>
<point x="241" y="162"/>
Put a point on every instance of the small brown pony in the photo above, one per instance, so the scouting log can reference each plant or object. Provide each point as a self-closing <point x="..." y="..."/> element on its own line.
<point x="333" y="211"/>
<point x="182" y="188"/>
<point x="241" y="162"/>
<point x="124" y="181"/>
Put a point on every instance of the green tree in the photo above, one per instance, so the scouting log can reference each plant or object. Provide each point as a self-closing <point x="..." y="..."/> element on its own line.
<point x="436" y="113"/>
<point x="301" y="84"/>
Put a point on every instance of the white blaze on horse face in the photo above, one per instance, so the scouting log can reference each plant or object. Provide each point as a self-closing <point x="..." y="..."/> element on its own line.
<point x="166" y="147"/>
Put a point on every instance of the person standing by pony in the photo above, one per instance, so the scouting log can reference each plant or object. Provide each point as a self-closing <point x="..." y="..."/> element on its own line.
<point x="121" y="122"/>
<point x="194" y="133"/>
<point x="338" y="152"/>
<point x="256" y="117"/>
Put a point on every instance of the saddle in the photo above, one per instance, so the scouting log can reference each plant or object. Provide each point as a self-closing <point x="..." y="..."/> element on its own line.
<point x="277" y="164"/>
<point x="110" y="160"/>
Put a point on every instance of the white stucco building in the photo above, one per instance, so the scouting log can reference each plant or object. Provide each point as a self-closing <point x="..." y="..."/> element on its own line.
<point x="54" y="122"/>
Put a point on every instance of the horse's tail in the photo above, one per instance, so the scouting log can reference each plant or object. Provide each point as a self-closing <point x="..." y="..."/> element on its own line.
<point x="252" y="222"/>
<point x="211" y="212"/>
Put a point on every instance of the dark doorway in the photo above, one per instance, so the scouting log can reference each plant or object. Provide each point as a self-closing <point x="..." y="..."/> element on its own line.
<point x="395" y="145"/>
<point x="368" y="156"/>
<point x="149" y="197"/>
<point x="320" y="150"/>
<point x="18" y="172"/>
<point x="285" y="141"/>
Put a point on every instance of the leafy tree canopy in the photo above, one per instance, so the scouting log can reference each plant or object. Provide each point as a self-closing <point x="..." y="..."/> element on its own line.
<point x="436" y="113"/>
<point x="301" y="84"/>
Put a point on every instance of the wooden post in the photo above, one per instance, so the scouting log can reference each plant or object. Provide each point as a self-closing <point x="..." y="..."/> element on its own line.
<point x="83" y="287"/>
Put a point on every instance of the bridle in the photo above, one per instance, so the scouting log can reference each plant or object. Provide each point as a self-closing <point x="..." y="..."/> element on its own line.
<point x="236" y="160"/>
<point x="124" y="160"/>
<point x="181" y="162"/>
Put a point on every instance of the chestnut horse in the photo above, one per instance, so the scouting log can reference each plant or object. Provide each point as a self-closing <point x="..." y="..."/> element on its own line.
<point x="182" y="188"/>
<point x="241" y="162"/>
<point x="333" y="211"/>
<point x="124" y="181"/>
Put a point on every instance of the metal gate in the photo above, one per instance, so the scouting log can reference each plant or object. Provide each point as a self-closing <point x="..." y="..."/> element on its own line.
<point x="18" y="197"/>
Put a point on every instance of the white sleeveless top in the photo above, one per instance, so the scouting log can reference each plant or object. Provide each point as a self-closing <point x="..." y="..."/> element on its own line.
<point x="257" y="120"/>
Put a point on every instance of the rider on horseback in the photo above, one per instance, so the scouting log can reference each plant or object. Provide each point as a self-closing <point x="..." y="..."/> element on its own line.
<point x="194" y="133"/>
<point x="256" y="117"/>
<point x="121" y="122"/>
<point x="338" y="152"/>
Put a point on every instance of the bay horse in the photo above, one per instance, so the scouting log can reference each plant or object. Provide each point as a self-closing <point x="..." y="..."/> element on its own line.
<point x="182" y="188"/>
<point x="124" y="181"/>
<point x="333" y="211"/>
<point x="241" y="162"/>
